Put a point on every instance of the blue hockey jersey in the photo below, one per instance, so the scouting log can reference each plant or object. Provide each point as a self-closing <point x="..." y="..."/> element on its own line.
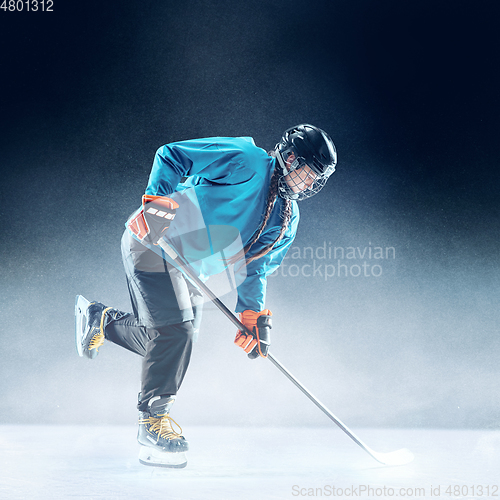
<point x="230" y="178"/>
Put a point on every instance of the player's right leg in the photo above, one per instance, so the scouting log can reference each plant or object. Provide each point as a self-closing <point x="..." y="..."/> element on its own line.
<point x="161" y="301"/>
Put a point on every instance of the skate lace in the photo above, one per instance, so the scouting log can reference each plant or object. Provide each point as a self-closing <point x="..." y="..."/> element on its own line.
<point x="98" y="339"/>
<point x="162" y="426"/>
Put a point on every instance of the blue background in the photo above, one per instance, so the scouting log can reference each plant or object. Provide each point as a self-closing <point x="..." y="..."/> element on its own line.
<point x="409" y="93"/>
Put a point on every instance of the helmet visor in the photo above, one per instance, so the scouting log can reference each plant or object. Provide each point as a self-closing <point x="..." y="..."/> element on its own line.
<point x="299" y="180"/>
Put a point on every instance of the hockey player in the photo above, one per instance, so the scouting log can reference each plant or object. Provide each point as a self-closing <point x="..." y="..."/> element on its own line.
<point x="236" y="185"/>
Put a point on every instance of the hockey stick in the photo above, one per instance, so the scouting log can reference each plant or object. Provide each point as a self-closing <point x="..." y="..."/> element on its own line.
<point x="398" y="457"/>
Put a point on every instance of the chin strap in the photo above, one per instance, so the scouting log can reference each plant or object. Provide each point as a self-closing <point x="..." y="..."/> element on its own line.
<point x="281" y="162"/>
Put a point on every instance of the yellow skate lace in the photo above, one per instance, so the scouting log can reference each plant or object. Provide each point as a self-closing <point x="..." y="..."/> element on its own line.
<point x="162" y="426"/>
<point x="97" y="339"/>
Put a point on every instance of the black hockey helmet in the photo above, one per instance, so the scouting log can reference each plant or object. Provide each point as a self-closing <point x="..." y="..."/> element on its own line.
<point x="311" y="147"/>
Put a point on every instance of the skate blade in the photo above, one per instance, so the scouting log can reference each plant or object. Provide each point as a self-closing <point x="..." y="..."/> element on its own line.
<point x="81" y="304"/>
<point x="157" y="458"/>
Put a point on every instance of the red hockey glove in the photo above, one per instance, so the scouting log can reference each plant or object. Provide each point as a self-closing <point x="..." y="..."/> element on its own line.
<point x="260" y="324"/>
<point x="150" y="224"/>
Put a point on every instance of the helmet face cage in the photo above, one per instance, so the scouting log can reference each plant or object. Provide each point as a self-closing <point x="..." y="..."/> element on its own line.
<point x="313" y="162"/>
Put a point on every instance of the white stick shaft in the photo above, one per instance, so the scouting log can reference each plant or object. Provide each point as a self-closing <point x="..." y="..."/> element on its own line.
<point x="320" y="405"/>
<point x="398" y="457"/>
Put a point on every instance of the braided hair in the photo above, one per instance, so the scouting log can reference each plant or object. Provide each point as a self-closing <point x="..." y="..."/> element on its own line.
<point x="286" y="215"/>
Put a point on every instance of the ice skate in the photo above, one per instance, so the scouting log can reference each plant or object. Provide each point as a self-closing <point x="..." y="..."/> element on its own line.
<point x="89" y="318"/>
<point x="161" y="445"/>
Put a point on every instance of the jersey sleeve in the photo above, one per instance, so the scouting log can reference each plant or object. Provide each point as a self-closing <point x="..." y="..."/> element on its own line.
<point x="252" y="292"/>
<point x="208" y="159"/>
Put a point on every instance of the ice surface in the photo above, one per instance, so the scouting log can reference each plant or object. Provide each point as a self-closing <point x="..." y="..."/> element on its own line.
<point x="49" y="462"/>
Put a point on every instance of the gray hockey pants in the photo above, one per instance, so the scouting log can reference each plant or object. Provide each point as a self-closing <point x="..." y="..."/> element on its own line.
<point x="166" y="317"/>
